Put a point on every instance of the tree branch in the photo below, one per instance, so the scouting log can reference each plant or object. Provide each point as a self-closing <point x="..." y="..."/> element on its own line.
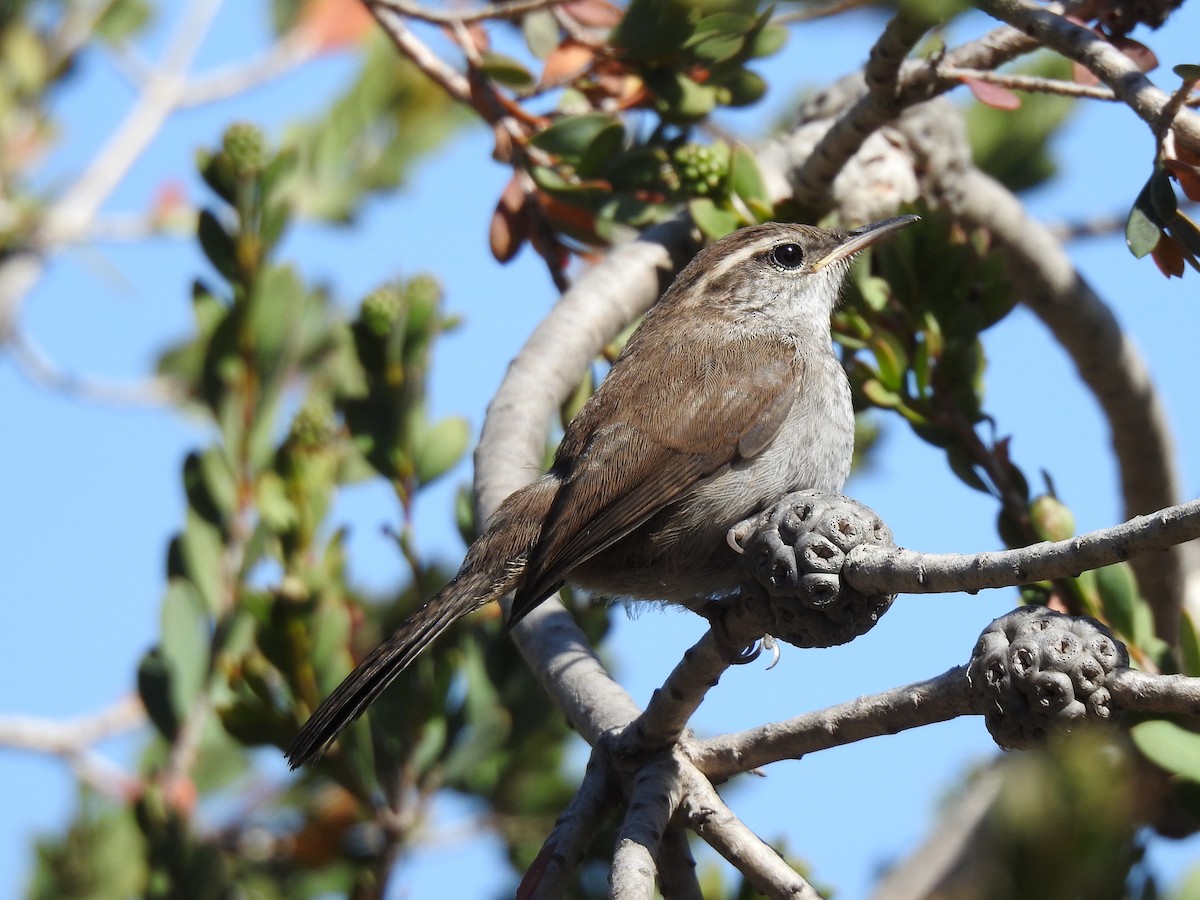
<point x="566" y="844"/>
<point x="873" y="569"/>
<point x="710" y="818"/>
<point x="655" y="796"/>
<point x="1101" y="58"/>
<point x="72" y="739"/>
<point x="880" y="104"/>
<point x="72" y="213"/>
<point x="912" y="706"/>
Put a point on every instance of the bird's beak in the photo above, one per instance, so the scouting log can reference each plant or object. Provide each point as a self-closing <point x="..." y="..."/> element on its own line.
<point x="861" y="238"/>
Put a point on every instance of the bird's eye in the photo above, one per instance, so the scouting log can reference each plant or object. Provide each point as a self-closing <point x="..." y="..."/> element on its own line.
<point x="787" y="256"/>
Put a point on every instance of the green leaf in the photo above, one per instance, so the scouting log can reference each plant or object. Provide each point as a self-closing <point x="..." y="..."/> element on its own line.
<point x="1187" y="71"/>
<point x="602" y="150"/>
<point x="1169" y="747"/>
<point x="571" y="137"/>
<point x="745" y="87"/>
<point x="439" y="448"/>
<point x="1162" y="196"/>
<point x="679" y="98"/>
<point x="207" y="308"/>
<point x="274" y="506"/>
<point x="719" y="48"/>
<point x="769" y="41"/>
<point x="711" y="219"/>
<point x="214" y="168"/>
<point x="121" y="20"/>
<point x="186" y="639"/>
<point x="962" y="465"/>
<point x="203" y="559"/>
<point x="1189" y="645"/>
<point x="892" y="359"/>
<point x="1141" y="233"/>
<point x="154" y="689"/>
<point x="217" y="245"/>
<point x="653" y="28"/>
<point x="506" y="70"/>
<point x="879" y="395"/>
<point x="281" y="165"/>
<point x="1120" y="601"/>
<point x="724" y="23"/>
<point x="541" y="32"/>
<point x="745" y="178"/>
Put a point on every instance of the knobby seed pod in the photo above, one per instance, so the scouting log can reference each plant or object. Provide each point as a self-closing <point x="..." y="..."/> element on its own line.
<point x="794" y="553"/>
<point x="1035" y="671"/>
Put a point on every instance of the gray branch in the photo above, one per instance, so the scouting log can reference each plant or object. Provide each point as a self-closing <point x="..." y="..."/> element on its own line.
<point x="653" y="800"/>
<point x="710" y="818"/>
<point x="1101" y="58"/>
<point x="899" y="709"/>
<point x="871" y="568"/>
<point x="550" y="874"/>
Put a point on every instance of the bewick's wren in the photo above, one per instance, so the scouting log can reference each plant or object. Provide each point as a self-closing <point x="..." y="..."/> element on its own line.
<point x="727" y="397"/>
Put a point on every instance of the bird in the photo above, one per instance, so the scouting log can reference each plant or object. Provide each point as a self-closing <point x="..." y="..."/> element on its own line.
<point x="726" y="397"/>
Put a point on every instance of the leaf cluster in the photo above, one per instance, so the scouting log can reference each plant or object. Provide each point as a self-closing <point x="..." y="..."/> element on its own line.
<point x="259" y="618"/>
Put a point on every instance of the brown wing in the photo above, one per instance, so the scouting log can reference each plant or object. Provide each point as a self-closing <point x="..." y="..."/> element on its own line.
<point x="623" y="462"/>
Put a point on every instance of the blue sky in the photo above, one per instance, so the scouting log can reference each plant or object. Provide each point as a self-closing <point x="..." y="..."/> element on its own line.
<point x="100" y="485"/>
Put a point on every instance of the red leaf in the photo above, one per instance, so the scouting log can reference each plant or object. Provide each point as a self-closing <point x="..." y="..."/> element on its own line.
<point x="1081" y="74"/>
<point x="509" y="228"/>
<point x="992" y="94"/>
<point x="1187" y="176"/>
<point x="1142" y="55"/>
<point x="593" y="13"/>
<point x="334" y="24"/>
<point x="1167" y="257"/>
<point x="567" y="61"/>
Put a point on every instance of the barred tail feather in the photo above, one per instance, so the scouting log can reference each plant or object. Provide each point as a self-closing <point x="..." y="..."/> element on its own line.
<point x="381" y="667"/>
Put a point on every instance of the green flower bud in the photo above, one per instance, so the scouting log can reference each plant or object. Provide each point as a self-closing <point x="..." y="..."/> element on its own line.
<point x="245" y="146"/>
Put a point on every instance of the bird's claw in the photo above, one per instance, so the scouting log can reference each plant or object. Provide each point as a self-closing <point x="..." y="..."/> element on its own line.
<point x="754" y="651"/>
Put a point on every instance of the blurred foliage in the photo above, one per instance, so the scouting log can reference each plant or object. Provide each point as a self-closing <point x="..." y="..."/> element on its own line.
<point x="1063" y="824"/>
<point x="1013" y="146"/>
<point x="388" y="116"/>
<point x="618" y="154"/>
<point x="911" y="328"/>
<point x="259" y="620"/>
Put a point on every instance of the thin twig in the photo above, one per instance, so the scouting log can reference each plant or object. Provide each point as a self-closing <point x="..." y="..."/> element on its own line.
<point x="1030" y="83"/>
<point x="1101" y="58"/>
<point x="288" y="53"/>
<point x="512" y="9"/>
<point x="1108" y="361"/>
<point x="34" y="364"/>
<point x="451" y="81"/>
<point x="880" y="104"/>
<point x="814" y="11"/>
<point x="74" y="211"/>
<point x="72" y="739"/>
